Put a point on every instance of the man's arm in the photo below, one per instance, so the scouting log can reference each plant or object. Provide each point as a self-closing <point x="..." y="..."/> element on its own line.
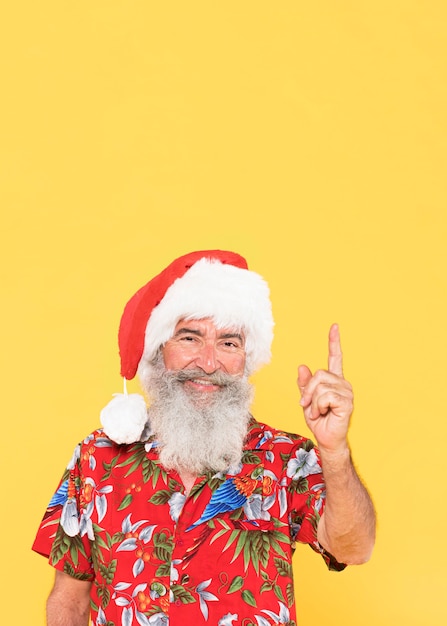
<point x="347" y="527"/>
<point x="69" y="602"/>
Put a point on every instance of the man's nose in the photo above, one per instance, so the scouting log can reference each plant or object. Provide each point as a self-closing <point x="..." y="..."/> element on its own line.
<point x="207" y="359"/>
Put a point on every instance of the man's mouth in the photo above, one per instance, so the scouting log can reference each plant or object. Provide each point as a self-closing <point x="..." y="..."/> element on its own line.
<point x="202" y="384"/>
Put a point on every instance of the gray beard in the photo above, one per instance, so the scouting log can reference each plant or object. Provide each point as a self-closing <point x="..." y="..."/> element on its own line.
<point x="197" y="432"/>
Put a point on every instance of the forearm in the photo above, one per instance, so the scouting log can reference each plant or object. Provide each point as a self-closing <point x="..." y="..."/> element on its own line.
<point x="69" y="602"/>
<point x="61" y="613"/>
<point x="347" y="526"/>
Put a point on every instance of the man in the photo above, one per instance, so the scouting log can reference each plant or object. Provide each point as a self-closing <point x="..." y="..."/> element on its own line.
<point x="187" y="512"/>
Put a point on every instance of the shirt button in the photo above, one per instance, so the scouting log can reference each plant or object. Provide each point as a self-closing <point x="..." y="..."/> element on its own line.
<point x="178" y="603"/>
<point x="180" y="542"/>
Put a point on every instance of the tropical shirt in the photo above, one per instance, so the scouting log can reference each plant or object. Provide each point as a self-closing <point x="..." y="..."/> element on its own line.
<point x="221" y="556"/>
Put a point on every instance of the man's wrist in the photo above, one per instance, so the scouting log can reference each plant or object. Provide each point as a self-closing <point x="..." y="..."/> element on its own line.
<point x="335" y="458"/>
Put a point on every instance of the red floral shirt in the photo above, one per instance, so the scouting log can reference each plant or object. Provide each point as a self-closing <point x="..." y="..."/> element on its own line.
<point x="220" y="556"/>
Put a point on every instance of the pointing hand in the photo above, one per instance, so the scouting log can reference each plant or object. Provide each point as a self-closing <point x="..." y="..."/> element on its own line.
<point x="327" y="398"/>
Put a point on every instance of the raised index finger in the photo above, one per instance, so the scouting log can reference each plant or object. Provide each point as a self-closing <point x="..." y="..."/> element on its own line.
<point x="335" y="359"/>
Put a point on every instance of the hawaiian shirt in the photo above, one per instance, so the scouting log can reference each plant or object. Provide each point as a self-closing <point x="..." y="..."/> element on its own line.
<point x="221" y="556"/>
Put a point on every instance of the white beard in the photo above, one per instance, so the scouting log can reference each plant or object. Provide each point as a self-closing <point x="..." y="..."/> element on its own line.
<point x="197" y="432"/>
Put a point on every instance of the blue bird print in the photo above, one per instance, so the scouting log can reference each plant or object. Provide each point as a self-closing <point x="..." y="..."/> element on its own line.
<point x="61" y="495"/>
<point x="231" y="495"/>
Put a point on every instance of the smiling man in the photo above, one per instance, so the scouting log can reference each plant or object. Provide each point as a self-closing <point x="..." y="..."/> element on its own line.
<point x="199" y="392"/>
<point x="184" y="509"/>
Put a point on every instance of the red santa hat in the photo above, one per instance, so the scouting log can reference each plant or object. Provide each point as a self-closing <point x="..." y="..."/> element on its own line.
<point x="207" y="284"/>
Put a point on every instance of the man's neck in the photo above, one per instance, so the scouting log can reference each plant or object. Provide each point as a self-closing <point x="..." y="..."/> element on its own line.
<point x="188" y="480"/>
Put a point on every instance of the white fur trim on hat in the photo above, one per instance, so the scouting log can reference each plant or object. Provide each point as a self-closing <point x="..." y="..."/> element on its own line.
<point x="233" y="297"/>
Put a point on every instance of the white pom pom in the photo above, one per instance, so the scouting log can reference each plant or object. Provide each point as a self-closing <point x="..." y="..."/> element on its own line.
<point x="124" y="417"/>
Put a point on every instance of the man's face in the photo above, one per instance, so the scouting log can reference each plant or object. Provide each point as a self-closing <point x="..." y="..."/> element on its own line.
<point x="199" y="397"/>
<point x="199" y="345"/>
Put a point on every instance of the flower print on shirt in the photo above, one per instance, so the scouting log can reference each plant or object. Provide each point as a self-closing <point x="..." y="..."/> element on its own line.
<point x="220" y="556"/>
<point x="303" y="464"/>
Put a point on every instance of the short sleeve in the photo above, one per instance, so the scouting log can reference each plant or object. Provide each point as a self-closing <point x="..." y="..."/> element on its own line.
<point x="60" y="536"/>
<point x="307" y="495"/>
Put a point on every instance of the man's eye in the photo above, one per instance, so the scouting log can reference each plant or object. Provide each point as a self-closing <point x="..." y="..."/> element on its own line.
<point x="231" y="344"/>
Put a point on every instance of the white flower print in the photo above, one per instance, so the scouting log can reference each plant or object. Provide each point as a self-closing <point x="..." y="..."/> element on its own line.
<point x="205" y="596"/>
<point x="283" y="617"/>
<point x="228" y="619"/>
<point x="303" y="464"/>
<point x="176" y="502"/>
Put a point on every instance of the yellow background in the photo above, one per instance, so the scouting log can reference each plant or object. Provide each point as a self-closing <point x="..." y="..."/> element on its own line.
<point x="308" y="136"/>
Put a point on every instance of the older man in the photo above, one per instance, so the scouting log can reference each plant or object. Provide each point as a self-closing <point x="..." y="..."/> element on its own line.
<point x="187" y="512"/>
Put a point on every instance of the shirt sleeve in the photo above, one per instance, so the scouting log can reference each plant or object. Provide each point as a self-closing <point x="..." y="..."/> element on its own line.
<point x="307" y="495"/>
<point x="62" y="534"/>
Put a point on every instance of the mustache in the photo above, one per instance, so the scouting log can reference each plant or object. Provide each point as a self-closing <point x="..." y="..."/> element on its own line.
<point x="219" y="378"/>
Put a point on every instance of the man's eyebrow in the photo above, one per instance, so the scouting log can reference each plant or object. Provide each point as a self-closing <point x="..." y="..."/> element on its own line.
<point x="184" y="330"/>
<point x="188" y="331"/>
<point x="232" y="336"/>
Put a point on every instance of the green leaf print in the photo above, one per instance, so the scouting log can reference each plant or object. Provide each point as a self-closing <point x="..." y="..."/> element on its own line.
<point x="160" y="497"/>
<point x="61" y="546"/>
<point x="149" y="468"/>
<point x="68" y="569"/>
<point x="99" y="541"/>
<point x="215" y="482"/>
<point x="279" y="594"/>
<point x="108" y="571"/>
<point x="74" y="555"/>
<point x="301" y="485"/>
<point x="266" y="587"/>
<point x="284" y="568"/>
<point x="125" y="502"/>
<point x="108" y="467"/>
<point x="163" y="570"/>
<point x="104" y="595"/>
<point x="163" y="546"/>
<point x="256" y="546"/>
<point x="248" y="597"/>
<point x="232" y="538"/>
<point x="134" y="459"/>
<point x="290" y="594"/>
<point x="236" y="584"/>
<point x="250" y="458"/>
<point x="117" y="538"/>
<point x="264" y="549"/>
<point x="308" y="445"/>
<point x="182" y="594"/>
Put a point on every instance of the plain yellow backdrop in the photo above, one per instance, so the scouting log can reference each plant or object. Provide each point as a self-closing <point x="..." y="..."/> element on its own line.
<point x="311" y="138"/>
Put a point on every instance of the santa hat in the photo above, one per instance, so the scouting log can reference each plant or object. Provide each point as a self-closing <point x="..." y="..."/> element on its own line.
<point x="207" y="284"/>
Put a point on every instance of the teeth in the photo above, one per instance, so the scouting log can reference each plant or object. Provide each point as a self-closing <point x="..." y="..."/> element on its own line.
<point x="198" y="381"/>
